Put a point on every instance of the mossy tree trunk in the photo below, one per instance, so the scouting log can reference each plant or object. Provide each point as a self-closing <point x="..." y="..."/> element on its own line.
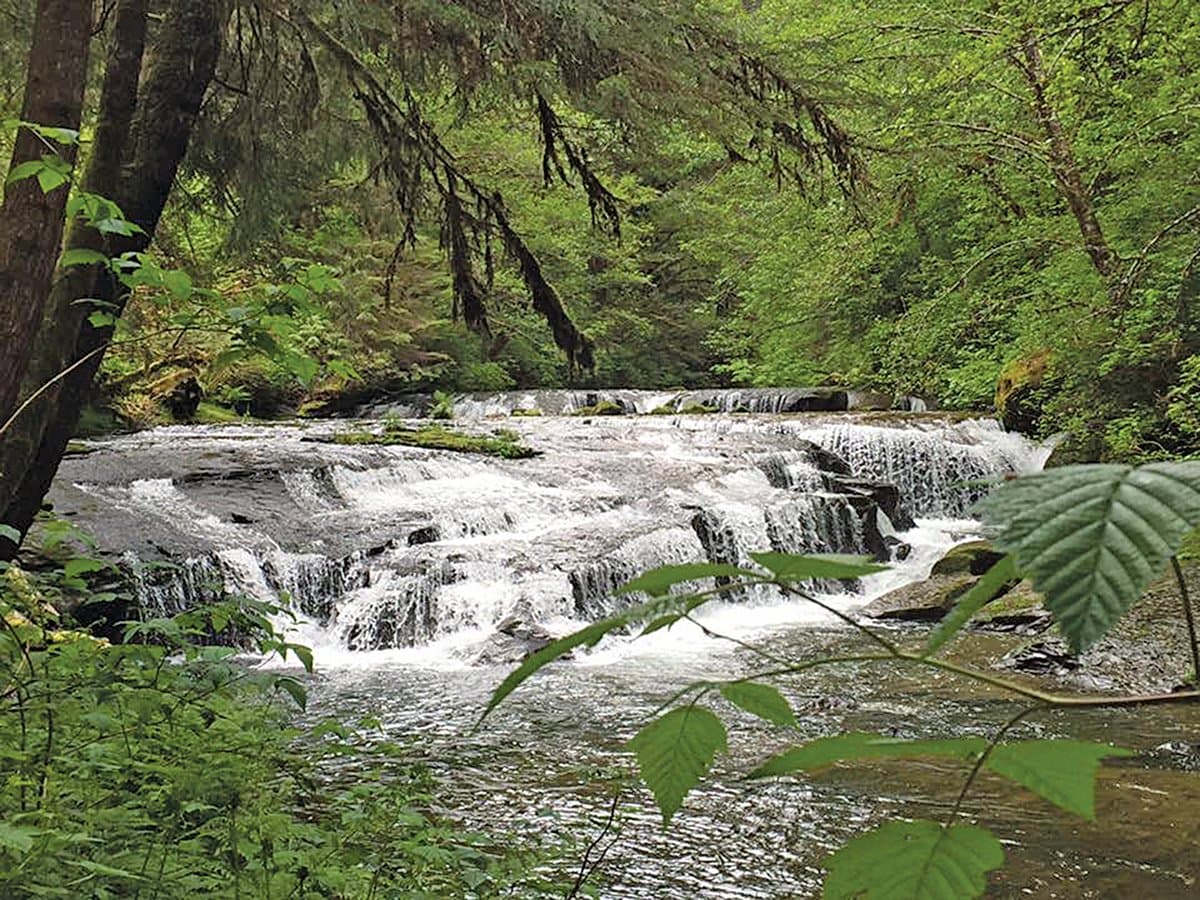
<point x="31" y="220"/>
<point x="147" y="113"/>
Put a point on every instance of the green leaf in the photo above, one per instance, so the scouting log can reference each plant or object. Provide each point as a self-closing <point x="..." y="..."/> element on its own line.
<point x="760" y="700"/>
<point x="80" y="256"/>
<point x="1091" y="538"/>
<point x="788" y="567"/>
<point x="304" y="654"/>
<point x="102" y="869"/>
<point x="1064" y="772"/>
<point x="588" y="637"/>
<point x="10" y="534"/>
<point x="918" y="860"/>
<point x="983" y="591"/>
<point x="294" y="689"/>
<point x="51" y="178"/>
<point x="73" y="568"/>
<point x="858" y="745"/>
<point x="102" y="319"/>
<point x="658" y="582"/>
<point x="28" y="169"/>
<point x="675" y="751"/>
<point x="17" y="837"/>
<point x="179" y="283"/>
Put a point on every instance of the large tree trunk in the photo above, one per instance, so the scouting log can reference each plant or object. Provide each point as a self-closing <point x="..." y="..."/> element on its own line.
<point x="179" y="68"/>
<point x="31" y="221"/>
<point x="1062" y="160"/>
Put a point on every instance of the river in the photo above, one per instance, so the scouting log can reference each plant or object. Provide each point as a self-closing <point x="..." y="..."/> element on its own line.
<point x="400" y="564"/>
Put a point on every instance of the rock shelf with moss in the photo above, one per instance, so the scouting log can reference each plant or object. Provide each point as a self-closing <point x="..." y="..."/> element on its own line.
<point x="435" y="437"/>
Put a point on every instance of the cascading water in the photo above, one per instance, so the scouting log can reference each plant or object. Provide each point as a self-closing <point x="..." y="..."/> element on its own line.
<point x="386" y="547"/>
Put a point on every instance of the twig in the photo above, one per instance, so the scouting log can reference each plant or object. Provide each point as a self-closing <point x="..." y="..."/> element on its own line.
<point x="586" y="867"/>
<point x="1190" y="616"/>
<point x="987" y="751"/>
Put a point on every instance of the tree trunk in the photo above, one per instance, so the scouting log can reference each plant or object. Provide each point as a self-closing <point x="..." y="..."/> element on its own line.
<point x="31" y="221"/>
<point x="1062" y="160"/>
<point x="179" y="67"/>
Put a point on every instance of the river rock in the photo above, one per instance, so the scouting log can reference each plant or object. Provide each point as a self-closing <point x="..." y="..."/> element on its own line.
<point x="971" y="558"/>
<point x="884" y="494"/>
<point x="923" y="601"/>
<point x="1019" y="607"/>
<point x="514" y="640"/>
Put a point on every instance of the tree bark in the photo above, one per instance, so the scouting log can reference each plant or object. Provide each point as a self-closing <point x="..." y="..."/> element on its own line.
<point x="31" y="221"/>
<point x="1063" y="163"/>
<point x="153" y="141"/>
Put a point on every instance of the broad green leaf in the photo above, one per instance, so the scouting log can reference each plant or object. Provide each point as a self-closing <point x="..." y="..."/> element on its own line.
<point x="788" y="567"/>
<point x="9" y="533"/>
<point x="659" y="581"/>
<point x="919" y="860"/>
<point x="858" y="745"/>
<point x="304" y="654"/>
<point x="17" y="837"/>
<point x="1064" y="772"/>
<point x="51" y="178"/>
<point x="675" y="751"/>
<point x="79" y="256"/>
<point x="102" y="320"/>
<point x="760" y="700"/>
<point x="82" y="565"/>
<point x="661" y="622"/>
<point x="971" y="602"/>
<point x="25" y="170"/>
<point x="1091" y="538"/>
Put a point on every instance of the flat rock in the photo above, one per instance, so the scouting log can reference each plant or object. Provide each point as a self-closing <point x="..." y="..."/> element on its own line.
<point x="922" y="601"/>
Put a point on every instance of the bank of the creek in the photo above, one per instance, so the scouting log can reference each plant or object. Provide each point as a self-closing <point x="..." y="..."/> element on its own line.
<point x="402" y="563"/>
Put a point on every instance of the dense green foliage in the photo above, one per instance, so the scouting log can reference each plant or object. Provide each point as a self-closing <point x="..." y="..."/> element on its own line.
<point x="1090" y="537"/>
<point x="1025" y="232"/>
<point x="162" y="766"/>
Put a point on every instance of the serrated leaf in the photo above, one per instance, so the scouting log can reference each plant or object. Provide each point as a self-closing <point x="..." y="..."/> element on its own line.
<point x="49" y="179"/>
<point x="675" y="751"/>
<point x="25" y="170"/>
<point x="760" y="700"/>
<point x="658" y="582"/>
<point x="792" y="567"/>
<point x="304" y="654"/>
<point x="80" y="256"/>
<point x="1063" y="772"/>
<point x="983" y="591"/>
<point x="858" y="745"/>
<point x="917" y="860"/>
<point x="1091" y="538"/>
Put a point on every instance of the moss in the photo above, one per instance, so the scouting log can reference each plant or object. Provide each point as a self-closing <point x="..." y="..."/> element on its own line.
<point x="435" y="437"/>
<point x="697" y="409"/>
<point x="78" y="448"/>
<point x="212" y="414"/>
<point x="663" y="411"/>
<point x="1190" y="549"/>
<point x="603" y="408"/>
<point x="1019" y="390"/>
<point x="525" y="413"/>
<point x="971" y="558"/>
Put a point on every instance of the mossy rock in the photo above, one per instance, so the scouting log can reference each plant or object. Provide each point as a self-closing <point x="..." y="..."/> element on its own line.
<point x="214" y="414"/>
<point x="603" y="408"/>
<point x="1021" y="391"/>
<point x="527" y="413"/>
<point x="1020" y="605"/>
<point x="922" y="601"/>
<point x="697" y="409"/>
<point x="435" y="437"/>
<point x="663" y="410"/>
<point x="971" y="558"/>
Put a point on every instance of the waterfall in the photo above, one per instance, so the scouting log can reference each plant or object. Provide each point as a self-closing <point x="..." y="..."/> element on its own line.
<point x="394" y="547"/>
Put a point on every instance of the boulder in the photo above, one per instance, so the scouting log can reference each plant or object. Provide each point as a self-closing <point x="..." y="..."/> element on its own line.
<point x="1021" y="391"/>
<point x="971" y="558"/>
<point x="922" y="601"/>
<point x="514" y="640"/>
<point x="1019" y="607"/>
<point x="427" y="534"/>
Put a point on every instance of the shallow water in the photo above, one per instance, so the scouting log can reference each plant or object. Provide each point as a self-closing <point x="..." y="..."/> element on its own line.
<point x="396" y="624"/>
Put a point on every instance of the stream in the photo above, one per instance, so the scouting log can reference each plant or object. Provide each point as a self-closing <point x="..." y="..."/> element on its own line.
<point x="420" y="576"/>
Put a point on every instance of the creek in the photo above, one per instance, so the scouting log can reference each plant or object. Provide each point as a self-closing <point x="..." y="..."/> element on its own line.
<point x="403" y="566"/>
